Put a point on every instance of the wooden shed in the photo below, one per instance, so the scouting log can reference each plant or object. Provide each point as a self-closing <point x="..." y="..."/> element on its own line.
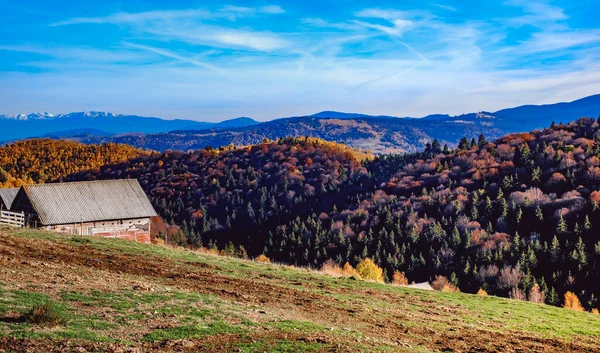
<point x="111" y="208"/>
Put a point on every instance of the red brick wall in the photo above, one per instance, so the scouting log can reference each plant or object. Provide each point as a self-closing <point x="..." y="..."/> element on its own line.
<point x="135" y="235"/>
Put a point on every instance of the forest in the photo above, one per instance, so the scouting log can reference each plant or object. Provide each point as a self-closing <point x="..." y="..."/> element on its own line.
<point x="515" y="217"/>
<point x="44" y="160"/>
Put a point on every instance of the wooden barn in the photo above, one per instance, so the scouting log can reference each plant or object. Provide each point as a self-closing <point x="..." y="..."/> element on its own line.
<point x="7" y="195"/>
<point x="110" y="208"/>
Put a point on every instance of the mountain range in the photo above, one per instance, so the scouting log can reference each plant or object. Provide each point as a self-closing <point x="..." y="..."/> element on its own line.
<point x="379" y="134"/>
<point x="98" y="124"/>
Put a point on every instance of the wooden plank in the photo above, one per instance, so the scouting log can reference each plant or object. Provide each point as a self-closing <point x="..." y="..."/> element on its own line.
<point x="12" y="219"/>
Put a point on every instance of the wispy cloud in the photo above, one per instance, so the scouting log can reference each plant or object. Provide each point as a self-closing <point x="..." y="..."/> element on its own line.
<point x="231" y="60"/>
<point x="229" y="12"/>
<point x="553" y="31"/>
<point x="536" y="13"/>
<point x="191" y="26"/>
<point x="170" y="54"/>
<point x="446" y="7"/>
<point x="138" y="18"/>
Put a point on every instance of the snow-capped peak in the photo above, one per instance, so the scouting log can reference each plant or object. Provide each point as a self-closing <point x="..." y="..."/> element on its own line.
<point x="32" y="116"/>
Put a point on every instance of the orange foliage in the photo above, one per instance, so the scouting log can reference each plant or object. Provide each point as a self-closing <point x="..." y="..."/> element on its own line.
<point x="263" y="259"/>
<point x="399" y="279"/>
<point x="572" y="302"/>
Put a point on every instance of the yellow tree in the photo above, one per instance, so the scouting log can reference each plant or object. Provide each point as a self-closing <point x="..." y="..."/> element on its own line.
<point x="367" y="269"/>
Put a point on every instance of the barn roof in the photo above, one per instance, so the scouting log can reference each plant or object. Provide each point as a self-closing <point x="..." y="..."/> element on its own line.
<point x="89" y="201"/>
<point x="7" y="195"/>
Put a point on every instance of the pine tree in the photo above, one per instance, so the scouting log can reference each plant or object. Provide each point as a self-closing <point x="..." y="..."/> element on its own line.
<point x="552" y="297"/>
<point x="463" y="144"/>
<point x="436" y="147"/>
<point x="482" y="141"/>
<point x="561" y="228"/>
<point x="539" y="214"/>
<point x="536" y="175"/>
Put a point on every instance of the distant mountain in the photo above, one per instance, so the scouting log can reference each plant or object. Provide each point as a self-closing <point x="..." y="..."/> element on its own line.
<point x="77" y="133"/>
<point x="536" y="116"/>
<point x="238" y="122"/>
<point x="44" y="124"/>
<point x="380" y="134"/>
<point x="341" y="115"/>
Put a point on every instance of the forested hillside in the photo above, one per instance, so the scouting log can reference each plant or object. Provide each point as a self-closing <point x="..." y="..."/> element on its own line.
<point x="515" y="217"/>
<point x="376" y="134"/>
<point x="41" y="160"/>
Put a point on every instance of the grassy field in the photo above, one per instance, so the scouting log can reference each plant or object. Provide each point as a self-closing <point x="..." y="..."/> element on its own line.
<point x="114" y="296"/>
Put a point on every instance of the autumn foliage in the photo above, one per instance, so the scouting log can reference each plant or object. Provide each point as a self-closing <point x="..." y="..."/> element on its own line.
<point x="503" y="214"/>
<point x="572" y="302"/>
<point x="43" y="160"/>
<point x="263" y="259"/>
<point x="368" y="270"/>
<point x="399" y="279"/>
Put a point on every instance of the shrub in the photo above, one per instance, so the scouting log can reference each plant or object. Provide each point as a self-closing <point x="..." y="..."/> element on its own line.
<point x="443" y="284"/>
<point x="331" y="268"/>
<point x="46" y="314"/>
<point x="482" y="292"/>
<point x="263" y="258"/>
<point x="367" y="269"/>
<point x="517" y="294"/>
<point x="572" y="302"/>
<point x="510" y="277"/>
<point x="399" y="279"/>
<point x="536" y="295"/>
<point x="349" y="271"/>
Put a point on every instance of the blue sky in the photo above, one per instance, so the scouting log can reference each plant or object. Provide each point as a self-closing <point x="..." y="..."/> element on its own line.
<point x="213" y="60"/>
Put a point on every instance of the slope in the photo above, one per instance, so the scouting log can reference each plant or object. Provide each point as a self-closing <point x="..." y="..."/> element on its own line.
<point x="119" y="296"/>
<point x="512" y="216"/>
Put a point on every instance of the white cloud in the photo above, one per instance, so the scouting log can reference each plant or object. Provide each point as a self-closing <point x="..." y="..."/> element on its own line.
<point x="398" y="28"/>
<point x="378" y="61"/>
<point x="554" y="41"/>
<point x="190" y="26"/>
<point x="446" y="7"/>
<point x="271" y="9"/>
<point x="138" y="18"/>
<point x="537" y="13"/>
<point x="253" y="40"/>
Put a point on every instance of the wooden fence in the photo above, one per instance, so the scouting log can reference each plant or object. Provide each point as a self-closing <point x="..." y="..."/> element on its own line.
<point x="13" y="219"/>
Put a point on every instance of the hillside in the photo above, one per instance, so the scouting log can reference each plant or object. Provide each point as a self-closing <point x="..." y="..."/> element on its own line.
<point x="42" y="160"/>
<point x="379" y="134"/>
<point x="512" y="216"/>
<point x="114" y="296"/>
<point x="375" y="134"/>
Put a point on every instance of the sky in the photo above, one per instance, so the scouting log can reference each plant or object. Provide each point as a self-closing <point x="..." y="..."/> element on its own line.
<point x="215" y="60"/>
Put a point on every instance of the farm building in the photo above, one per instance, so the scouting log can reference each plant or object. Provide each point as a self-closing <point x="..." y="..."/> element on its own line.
<point x="7" y="195"/>
<point x="110" y="208"/>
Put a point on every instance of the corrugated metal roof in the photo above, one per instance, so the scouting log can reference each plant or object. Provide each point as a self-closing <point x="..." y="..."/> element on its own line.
<point x="8" y="196"/>
<point x="89" y="201"/>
